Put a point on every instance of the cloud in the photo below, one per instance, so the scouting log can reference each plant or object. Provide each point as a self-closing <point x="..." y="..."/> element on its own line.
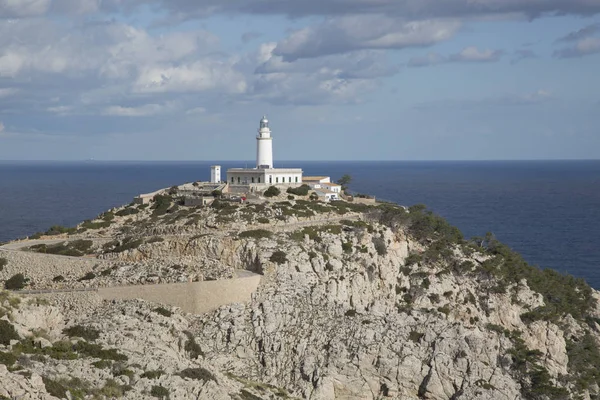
<point x="344" y="34"/>
<point x="467" y="55"/>
<point x="407" y="9"/>
<point x="6" y="92"/>
<point x="250" y="36"/>
<point x="583" y="47"/>
<point x="581" y="33"/>
<point x="522" y="54"/>
<point x="473" y="54"/>
<point x="23" y="8"/>
<point x="584" y="43"/>
<point x="506" y="100"/>
<point x="141" y="111"/>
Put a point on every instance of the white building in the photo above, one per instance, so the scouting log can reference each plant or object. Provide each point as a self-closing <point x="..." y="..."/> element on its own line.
<point x="264" y="174"/>
<point x="334" y="187"/>
<point x="215" y="174"/>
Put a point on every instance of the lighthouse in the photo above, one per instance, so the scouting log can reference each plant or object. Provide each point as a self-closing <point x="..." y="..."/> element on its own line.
<point x="241" y="180"/>
<point x="264" y="145"/>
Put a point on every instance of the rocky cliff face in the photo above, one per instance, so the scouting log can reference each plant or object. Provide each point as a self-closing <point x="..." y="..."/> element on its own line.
<point x="357" y="302"/>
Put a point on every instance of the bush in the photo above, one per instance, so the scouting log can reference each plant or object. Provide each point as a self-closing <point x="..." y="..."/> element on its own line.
<point x="272" y="191"/>
<point x="199" y="374"/>
<point x="159" y="391"/>
<point x="16" y="282"/>
<point x="87" y="277"/>
<point x="127" y="211"/>
<point x="58" y="229"/>
<point x="84" y="332"/>
<point x="152" y="374"/>
<point x="162" y="311"/>
<point x="7" y="332"/>
<point x="3" y="263"/>
<point x="256" y="234"/>
<point x="278" y="257"/>
<point x="380" y="246"/>
<point x="299" y="191"/>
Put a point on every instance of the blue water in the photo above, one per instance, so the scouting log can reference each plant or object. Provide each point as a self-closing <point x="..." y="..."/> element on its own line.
<point x="549" y="211"/>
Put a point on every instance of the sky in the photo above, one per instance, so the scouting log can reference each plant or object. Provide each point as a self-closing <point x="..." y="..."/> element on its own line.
<point x="338" y="79"/>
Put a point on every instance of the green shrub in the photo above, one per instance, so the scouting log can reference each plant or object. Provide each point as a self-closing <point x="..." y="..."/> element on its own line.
<point x="84" y="332"/>
<point x="127" y="243"/>
<point x="272" y="191"/>
<point x="95" y="350"/>
<point x="127" y="211"/>
<point x="3" y="263"/>
<point x="7" y="359"/>
<point x="159" y="391"/>
<point x="380" y="246"/>
<point x="256" y="234"/>
<point x="350" y="313"/>
<point x="299" y="191"/>
<point x="155" y="239"/>
<point x="199" y="374"/>
<point x="88" y="276"/>
<point x="95" y="225"/>
<point x="7" y="332"/>
<point x="347" y="247"/>
<point x="415" y="336"/>
<point x="192" y="347"/>
<point x="58" y="229"/>
<point x="263" y="220"/>
<point x="58" y="278"/>
<point x="16" y="282"/>
<point x="152" y="374"/>
<point x="278" y="257"/>
<point x="162" y="311"/>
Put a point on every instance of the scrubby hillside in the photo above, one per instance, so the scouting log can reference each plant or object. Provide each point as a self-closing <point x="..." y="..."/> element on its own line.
<point x="356" y="302"/>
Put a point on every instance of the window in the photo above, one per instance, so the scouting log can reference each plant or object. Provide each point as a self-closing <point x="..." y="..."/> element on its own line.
<point x="259" y="179"/>
<point x="296" y="179"/>
<point x="252" y="179"/>
<point x="238" y="179"/>
<point x="232" y="179"/>
<point x="277" y="180"/>
<point x="270" y="179"/>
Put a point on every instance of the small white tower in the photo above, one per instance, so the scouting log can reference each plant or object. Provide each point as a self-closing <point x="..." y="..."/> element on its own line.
<point x="264" y="145"/>
<point x="215" y="174"/>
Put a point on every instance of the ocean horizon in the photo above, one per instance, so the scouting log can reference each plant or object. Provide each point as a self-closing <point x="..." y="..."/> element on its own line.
<point x="544" y="209"/>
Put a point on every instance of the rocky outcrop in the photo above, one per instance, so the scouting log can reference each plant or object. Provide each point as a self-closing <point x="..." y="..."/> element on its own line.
<point x="355" y="302"/>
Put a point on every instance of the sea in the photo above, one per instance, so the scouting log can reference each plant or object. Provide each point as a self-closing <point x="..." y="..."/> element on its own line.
<point x="549" y="211"/>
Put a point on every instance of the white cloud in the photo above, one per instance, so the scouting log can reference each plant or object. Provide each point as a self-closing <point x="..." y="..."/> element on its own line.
<point x="345" y="34"/>
<point x="6" y="92"/>
<point x="23" y="8"/>
<point x="473" y="54"/>
<point x="468" y="55"/>
<point x="141" y="111"/>
<point x="584" y="47"/>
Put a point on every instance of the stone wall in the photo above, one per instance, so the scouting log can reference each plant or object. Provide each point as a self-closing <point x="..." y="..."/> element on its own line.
<point x="192" y="297"/>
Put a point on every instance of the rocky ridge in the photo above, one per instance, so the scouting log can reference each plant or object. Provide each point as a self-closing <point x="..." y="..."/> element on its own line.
<point x="357" y="302"/>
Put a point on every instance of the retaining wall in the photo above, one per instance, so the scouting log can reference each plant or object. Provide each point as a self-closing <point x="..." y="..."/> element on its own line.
<point x="192" y="297"/>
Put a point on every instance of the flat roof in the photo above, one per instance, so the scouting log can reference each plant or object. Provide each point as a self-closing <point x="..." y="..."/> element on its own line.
<point x="314" y="178"/>
<point x="331" y="184"/>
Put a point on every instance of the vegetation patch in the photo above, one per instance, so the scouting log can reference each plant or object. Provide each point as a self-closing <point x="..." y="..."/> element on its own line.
<point x="272" y="191"/>
<point x="159" y="391"/>
<point x="162" y="311"/>
<point x="256" y="234"/>
<point x="7" y="332"/>
<point x="75" y="248"/>
<point x="299" y="191"/>
<point x="199" y="374"/>
<point x="278" y="257"/>
<point x="152" y="374"/>
<point x="84" y="332"/>
<point x="3" y="263"/>
<point x="192" y="347"/>
<point x="16" y="282"/>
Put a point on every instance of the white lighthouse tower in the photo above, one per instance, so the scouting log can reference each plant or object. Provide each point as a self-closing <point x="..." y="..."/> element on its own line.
<point x="264" y="145"/>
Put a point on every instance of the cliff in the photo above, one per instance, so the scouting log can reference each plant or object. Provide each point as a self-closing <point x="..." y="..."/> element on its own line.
<point x="355" y="302"/>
